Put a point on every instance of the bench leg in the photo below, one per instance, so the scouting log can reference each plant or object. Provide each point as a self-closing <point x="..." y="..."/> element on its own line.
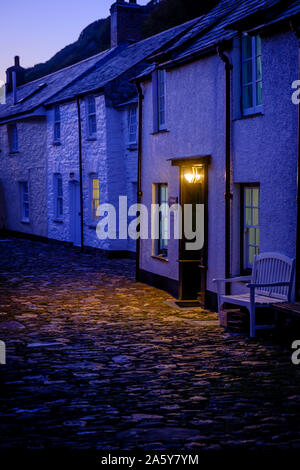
<point x="252" y="321"/>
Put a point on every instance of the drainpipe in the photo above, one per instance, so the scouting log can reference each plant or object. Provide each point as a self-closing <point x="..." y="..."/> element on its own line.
<point x="228" y="194"/>
<point x="80" y="171"/>
<point x="139" y="188"/>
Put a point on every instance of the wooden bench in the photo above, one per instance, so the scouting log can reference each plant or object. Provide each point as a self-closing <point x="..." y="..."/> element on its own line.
<point x="271" y="282"/>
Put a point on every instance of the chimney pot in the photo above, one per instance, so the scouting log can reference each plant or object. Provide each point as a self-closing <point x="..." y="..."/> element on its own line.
<point x="17" y="61"/>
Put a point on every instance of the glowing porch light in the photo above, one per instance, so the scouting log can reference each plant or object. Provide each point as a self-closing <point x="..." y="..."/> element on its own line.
<point x="194" y="176"/>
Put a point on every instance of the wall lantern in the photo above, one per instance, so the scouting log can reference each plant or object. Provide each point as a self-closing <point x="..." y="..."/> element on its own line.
<point x="194" y="175"/>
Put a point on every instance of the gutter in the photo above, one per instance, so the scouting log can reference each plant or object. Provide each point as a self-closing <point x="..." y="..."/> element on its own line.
<point x="228" y="194"/>
<point x="80" y="172"/>
<point x="139" y="188"/>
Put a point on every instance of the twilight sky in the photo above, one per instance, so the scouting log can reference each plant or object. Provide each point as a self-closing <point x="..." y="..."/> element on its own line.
<point x="37" y="29"/>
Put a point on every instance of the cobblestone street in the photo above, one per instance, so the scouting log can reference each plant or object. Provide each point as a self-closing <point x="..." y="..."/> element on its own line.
<point x="97" y="361"/>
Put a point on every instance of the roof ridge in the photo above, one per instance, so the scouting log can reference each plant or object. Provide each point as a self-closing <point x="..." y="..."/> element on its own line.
<point x="68" y="67"/>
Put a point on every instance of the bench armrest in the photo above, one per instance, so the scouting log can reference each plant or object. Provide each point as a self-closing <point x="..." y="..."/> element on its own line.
<point x="272" y="284"/>
<point x="234" y="279"/>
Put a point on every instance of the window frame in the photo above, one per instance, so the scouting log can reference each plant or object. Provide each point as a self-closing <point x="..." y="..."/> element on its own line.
<point x="161" y="245"/>
<point x="246" y="266"/>
<point x="58" y="197"/>
<point x="256" y="108"/>
<point x="130" y="125"/>
<point x="25" y="214"/>
<point x="161" y="124"/>
<point x="93" y="217"/>
<point x="56" y="123"/>
<point x="91" y="114"/>
<point x="13" y="138"/>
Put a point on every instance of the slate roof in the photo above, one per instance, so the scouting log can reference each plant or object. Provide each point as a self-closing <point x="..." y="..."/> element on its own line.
<point x="88" y="75"/>
<point x="40" y="90"/>
<point x="221" y="25"/>
<point x="120" y="63"/>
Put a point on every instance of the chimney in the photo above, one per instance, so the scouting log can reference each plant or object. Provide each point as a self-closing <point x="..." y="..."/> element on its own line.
<point x="127" y="19"/>
<point x="14" y="74"/>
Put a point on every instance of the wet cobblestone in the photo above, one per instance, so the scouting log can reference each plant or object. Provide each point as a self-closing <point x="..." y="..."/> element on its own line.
<point x="97" y="361"/>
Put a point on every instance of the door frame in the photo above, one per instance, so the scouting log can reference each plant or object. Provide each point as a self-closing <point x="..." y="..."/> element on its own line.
<point x="182" y="163"/>
<point x="73" y="194"/>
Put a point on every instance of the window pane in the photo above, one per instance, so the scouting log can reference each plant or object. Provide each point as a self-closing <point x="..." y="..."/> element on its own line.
<point x="91" y="105"/>
<point x="259" y="93"/>
<point x="252" y="252"/>
<point x="258" y="45"/>
<point x="255" y="217"/>
<point x="248" y="72"/>
<point x="95" y="189"/>
<point x="248" y="197"/>
<point x="57" y="131"/>
<point x="255" y="196"/>
<point x="248" y="96"/>
<point x="247" y="47"/>
<point x="252" y="236"/>
<point x="59" y="207"/>
<point x="92" y="125"/>
<point x="258" y="68"/>
<point x="57" y="113"/>
<point x="59" y="186"/>
<point x="248" y="216"/>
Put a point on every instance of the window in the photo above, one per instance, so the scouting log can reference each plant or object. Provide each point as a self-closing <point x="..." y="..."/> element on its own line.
<point x="161" y="91"/>
<point x="91" y="114"/>
<point x="24" y="202"/>
<point x="159" y="100"/>
<point x="56" y="123"/>
<point x="95" y="197"/>
<point x="251" y="225"/>
<point x="132" y="125"/>
<point x="163" y="201"/>
<point x="252" y="74"/>
<point x="13" y="138"/>
<point x="58" y="196"/>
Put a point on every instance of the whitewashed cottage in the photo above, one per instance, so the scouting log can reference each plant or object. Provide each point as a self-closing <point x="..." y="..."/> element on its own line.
<point x="84" y="144"/>
<point x="219" y="128"/>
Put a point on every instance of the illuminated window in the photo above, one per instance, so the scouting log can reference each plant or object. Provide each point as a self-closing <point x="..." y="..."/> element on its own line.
<point x="95" y="197"/>
<point x="252" y="74"/>
<point x="56" y="123"/>
<point x="91" y="117"/>
<point x="251" y="196"/>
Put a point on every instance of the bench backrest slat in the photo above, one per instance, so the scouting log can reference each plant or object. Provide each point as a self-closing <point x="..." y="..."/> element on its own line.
<point x="273" y="267"/>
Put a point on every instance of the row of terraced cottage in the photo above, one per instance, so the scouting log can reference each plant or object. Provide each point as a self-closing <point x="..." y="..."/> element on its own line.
<point x="198" y="114"/>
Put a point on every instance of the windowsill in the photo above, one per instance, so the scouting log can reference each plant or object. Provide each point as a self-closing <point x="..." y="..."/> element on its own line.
<point x="25" y="221"/>
<point x="160" y="131"/>
<point x="56" y="143"/>
<point x="249" y="116"/>
<point x="91" y="139"/>
<point x="14" y="153"/>
<point x="160" y="258"/>
<point x="58" y="221"/>
<point x="132" y="147"/>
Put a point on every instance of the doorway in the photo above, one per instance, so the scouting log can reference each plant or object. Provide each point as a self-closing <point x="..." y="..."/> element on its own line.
<point x="75" y="216"/>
